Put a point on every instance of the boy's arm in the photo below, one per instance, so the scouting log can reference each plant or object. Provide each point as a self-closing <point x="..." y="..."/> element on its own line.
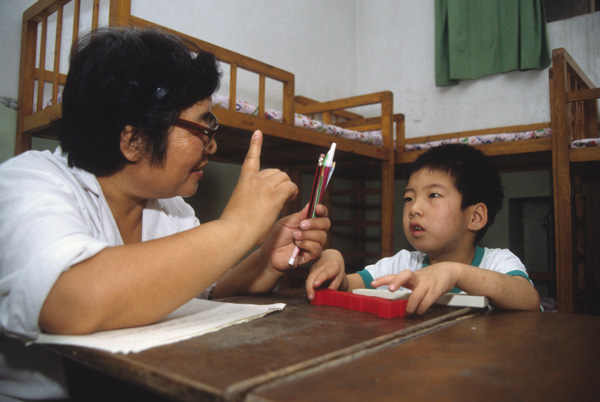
<point x="330" y="267"/>
<point x="503" y="291"/>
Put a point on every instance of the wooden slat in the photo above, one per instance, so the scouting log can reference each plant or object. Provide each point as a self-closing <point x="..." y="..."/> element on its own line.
<point x="303" y="100"/>
<point x="542" y="276"/>
<point x="341" y="104"/>
<point x="76" y="18"/>
<point x="261" y="94"/>
<point x="587" y="154"/>
<point x="350" y="223"/>
<point x="41" y="9"/>
<point x="232" y="85"/>
<point x="49" y="76"/>
<point x="42" y="65"/>
<point x="119" y="13"/>
<point x="42" y="119"/>
<point x="562" y="183"/>
<point x="355" y="191"/>
<point x="95" y="14"/>
<point x="57" y="42"/>
<point x="583" y="94"/>
<point x="26" y="83"/>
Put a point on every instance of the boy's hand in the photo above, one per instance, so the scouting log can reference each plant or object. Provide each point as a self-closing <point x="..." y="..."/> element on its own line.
<point x="427" y="284"/>
<point x="330" y="267"/>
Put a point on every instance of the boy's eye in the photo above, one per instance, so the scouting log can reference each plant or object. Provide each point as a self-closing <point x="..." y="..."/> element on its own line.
<point x="407" y="199"/>
<point x="434" y="195"/>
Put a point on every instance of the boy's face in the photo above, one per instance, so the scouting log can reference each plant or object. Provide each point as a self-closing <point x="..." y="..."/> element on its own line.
<point x="433" y="220"/>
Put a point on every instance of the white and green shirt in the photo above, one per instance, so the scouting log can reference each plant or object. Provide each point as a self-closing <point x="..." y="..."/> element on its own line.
<point x="493" y="259"/>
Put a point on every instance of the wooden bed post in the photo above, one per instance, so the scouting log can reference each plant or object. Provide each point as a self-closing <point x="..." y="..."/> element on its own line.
<point x="387" y="177"/>
<point x="26" y="87"/>
<point x="561" y="172"/>
<point x="119" y="12"/>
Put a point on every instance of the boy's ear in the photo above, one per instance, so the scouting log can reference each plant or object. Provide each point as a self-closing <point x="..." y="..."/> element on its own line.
<point x="131" y="144"/>
<point x="479" y="216"/>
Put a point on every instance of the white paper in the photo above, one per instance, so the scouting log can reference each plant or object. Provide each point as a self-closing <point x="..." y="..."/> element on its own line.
<point x="197" y="317"/>
<point x="448" y="299"/>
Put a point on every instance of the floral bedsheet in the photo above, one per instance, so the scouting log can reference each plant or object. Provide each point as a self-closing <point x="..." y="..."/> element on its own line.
<point x="483" y="139"/>
<point x="300" y="120"/>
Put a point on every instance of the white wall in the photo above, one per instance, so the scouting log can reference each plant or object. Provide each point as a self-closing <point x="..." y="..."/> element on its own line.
<point x="396" y="52"/>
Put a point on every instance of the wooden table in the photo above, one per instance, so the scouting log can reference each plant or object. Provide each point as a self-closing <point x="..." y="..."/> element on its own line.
<point x="496" y="356"/>
<point x="229" y="363"/>
<point x="313" y="352"/>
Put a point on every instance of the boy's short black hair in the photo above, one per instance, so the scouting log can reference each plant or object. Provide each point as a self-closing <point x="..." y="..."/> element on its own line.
<point x="475" y="176"/>
<point x="129" y="76"/>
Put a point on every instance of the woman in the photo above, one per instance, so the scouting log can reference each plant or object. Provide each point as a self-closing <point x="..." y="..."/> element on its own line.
<point x="96" y="236"/>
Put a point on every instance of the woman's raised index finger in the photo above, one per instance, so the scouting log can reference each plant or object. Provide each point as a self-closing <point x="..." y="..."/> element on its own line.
<point x="252" y="161"/>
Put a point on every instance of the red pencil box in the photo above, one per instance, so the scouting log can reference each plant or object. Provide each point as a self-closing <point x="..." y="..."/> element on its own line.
<point x="384" y="308"/>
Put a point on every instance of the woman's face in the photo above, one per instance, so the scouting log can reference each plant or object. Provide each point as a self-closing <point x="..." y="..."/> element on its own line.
<point x="185" y="158"/>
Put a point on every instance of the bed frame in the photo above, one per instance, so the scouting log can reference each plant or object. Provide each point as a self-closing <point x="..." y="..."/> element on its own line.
<point x="576" y="182"/>
<point x="285" y="145"/>
<point x="576" y="175"/>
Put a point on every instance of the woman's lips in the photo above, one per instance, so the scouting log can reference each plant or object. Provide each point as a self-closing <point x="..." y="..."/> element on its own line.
<point x="198" y="172"/>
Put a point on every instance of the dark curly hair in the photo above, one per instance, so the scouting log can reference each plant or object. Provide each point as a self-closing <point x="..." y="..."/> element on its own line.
<point x="129" y="76"/>
<point x="475" y="176"/>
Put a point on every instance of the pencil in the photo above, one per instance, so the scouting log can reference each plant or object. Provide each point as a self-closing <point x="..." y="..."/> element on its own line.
<point x="323" y="173"/>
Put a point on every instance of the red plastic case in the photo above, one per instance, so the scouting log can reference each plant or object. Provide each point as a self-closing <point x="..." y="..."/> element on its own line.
<point x="375" y="305"/>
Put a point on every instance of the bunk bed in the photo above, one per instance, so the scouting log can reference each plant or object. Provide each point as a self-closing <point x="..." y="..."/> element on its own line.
<point x="286" y="145"/>
<point x="568" y="146"/>
<point x="576" y="182"/>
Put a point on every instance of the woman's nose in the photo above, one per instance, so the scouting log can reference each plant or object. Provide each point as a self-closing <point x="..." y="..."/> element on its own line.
<point x="211" y="148"/>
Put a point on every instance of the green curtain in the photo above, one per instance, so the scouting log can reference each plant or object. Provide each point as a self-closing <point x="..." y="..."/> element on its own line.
<point x="474" y="38"/>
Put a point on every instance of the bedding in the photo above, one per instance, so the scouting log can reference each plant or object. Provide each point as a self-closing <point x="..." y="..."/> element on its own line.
<point x="368" y="137"/>
<point x="482" y="139"/>
<point x="375" y="137"/>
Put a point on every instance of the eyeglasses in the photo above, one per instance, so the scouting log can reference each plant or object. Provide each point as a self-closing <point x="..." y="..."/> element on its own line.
<point x="200" y="130"/>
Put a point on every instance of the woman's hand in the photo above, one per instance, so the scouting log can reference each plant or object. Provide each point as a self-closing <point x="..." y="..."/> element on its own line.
<point x="258" y="196"/>
<point x="310" y="235"/>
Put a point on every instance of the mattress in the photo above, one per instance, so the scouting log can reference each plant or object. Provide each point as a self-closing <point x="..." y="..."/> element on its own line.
<point x="368" y="137"/>
<point x="483" y="139"/>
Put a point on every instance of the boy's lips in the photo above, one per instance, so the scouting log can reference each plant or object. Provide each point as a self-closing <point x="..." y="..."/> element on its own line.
<point x="416" y="229"/>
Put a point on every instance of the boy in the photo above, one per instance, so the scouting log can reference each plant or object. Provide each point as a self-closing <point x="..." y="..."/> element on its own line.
<point x="452" y="196"/>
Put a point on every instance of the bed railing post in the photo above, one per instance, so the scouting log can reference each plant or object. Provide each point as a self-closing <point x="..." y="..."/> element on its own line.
<point x="119" y="12"/>
<point x="57" y="42"/>
<point x="232" y="86"/>
<point x="288" y="101"/>
<point x="26" y="87"/>
<point x="387" y="176"/>
<point x="562" y="183"/>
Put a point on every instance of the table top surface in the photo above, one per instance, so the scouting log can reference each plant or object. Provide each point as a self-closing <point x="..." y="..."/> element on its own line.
<point x="493" y="356"/>
<point x="235" y="359"/>
<point x="318" y="350"/>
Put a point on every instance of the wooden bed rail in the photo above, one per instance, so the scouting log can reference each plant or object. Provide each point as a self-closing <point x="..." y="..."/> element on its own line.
<point x="237" y="61"/>
<point x="574" y="113"/>
<point x="31" y="92"/>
